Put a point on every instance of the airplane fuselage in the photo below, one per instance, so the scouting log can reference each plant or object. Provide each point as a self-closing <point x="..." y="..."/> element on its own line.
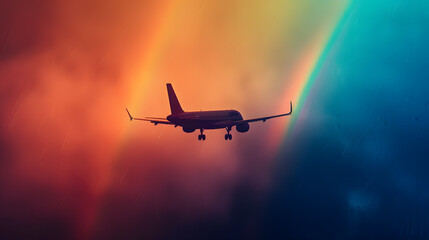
<point x="190" y="121"/>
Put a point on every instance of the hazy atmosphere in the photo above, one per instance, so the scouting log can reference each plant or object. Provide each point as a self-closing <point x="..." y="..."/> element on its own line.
<point x="350" y="163"/>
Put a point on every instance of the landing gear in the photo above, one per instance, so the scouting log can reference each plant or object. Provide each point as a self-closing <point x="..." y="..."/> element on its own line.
<point x="227" y="135"/>
<point x="201" y="136"/>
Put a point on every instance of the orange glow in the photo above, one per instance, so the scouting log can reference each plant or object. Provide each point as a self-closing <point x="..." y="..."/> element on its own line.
<point x="70" y="68"/>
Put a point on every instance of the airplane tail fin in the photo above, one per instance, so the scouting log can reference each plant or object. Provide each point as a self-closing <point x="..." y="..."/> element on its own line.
<point x="174" y="102"/>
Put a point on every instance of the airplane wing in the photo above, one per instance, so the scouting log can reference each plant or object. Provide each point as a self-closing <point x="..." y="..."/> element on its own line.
<point x="153" y="120"/>
<point x="262" y="118"/>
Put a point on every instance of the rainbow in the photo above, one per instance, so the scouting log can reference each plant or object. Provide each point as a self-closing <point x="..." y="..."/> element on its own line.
<point x="308" y="70"/>
<point x="307" y="65"/>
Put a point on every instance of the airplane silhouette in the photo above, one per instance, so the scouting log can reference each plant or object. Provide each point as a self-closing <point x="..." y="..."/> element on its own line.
<point x="191" y="121"/>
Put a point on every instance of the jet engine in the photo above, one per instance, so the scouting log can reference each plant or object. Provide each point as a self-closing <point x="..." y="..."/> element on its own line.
<point x="244" y="127"/>
<point x="188" y="129"/>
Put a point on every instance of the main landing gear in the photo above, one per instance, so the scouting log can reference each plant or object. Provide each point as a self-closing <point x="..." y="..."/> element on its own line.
<point x="201" y="136"/>
<point x="227" y="135"/>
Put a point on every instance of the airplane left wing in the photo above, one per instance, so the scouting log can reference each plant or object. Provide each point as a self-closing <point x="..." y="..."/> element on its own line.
<point x="263" y="118"/>
<point x="155" y="121"/>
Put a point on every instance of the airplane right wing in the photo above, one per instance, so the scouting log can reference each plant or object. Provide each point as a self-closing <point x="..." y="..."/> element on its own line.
<point x="262" y="118"/>
<point x="153" y="120"/>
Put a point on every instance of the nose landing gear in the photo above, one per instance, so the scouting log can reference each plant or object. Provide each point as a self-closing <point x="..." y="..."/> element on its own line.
<point x="201" y="136"/>
<point x="228" y="136"/>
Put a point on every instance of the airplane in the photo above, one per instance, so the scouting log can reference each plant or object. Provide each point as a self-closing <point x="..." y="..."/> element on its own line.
<point x="191" y="121"/>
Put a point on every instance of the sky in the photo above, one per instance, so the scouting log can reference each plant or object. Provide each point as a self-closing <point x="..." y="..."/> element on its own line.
<point x="348" y="164"/>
